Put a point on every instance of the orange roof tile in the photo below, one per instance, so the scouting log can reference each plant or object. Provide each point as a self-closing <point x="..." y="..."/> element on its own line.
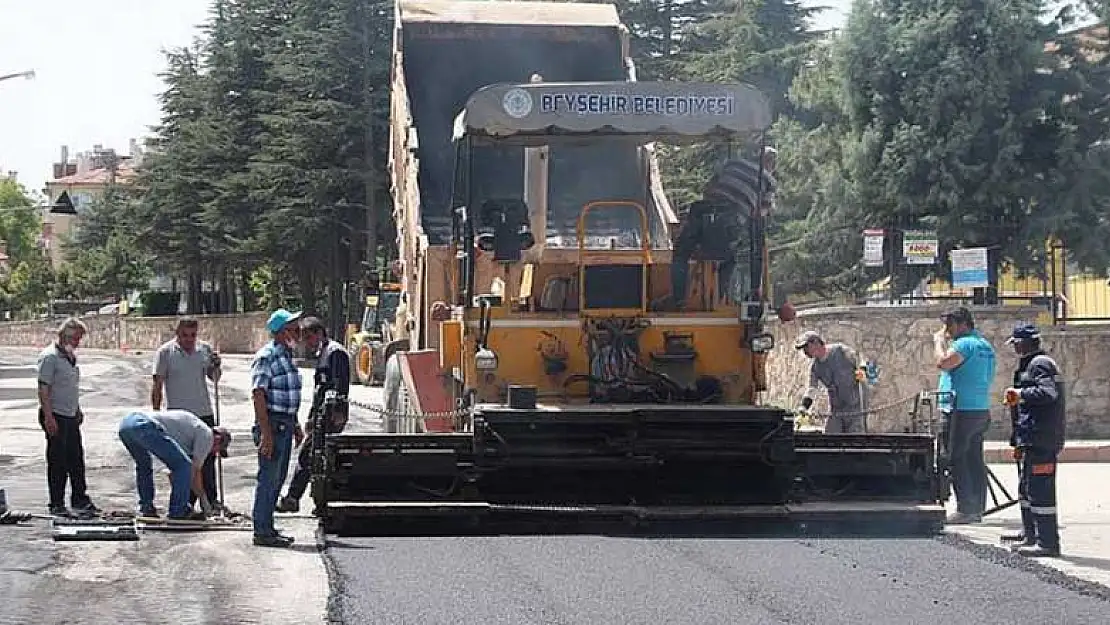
<point x="124" y="173"/>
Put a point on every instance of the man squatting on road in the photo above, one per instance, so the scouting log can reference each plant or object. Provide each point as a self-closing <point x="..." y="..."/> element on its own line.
<point x="834" y="366"/>
<point x="184" y="443"/>
<point x="60" y="417"/>
<point x="968" y="359"/>
<point x="333" y="372"/>
<point x="1037" y="413"/>
<point x="276" y="391"/>
<point x="180" y="368"/>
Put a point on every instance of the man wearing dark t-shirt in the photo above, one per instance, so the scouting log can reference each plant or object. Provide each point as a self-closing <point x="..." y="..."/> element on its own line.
<point x="333" y="372"/>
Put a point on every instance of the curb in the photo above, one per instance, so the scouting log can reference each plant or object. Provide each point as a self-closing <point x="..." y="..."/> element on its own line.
<point x="1076" y="454"/>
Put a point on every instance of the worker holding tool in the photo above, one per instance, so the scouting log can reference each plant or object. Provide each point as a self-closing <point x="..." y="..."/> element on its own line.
<point x="835" y="366"/>
<point x="183" y="443"/>
<point x="276" y="392"/>
<point x="181" y="366"/>
<point x="333" y="373"/>
<point x="1037" y="405"/>
<point x="968" y="358"/>
<point x="61" y="418"/>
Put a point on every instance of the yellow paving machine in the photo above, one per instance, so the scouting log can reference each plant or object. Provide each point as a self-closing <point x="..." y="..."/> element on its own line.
<point x="578" y="350"/>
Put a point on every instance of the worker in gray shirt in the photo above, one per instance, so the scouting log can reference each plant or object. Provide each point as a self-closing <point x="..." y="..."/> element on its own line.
<point x="181" y="367"/>
<point x="183" y="443"/>
<point x="835" y="366"/>
<point x="60" y="418"/>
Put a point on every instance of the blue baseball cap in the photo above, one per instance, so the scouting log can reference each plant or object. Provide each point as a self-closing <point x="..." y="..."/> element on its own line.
<point x="1024" y="332"/>
<point x="280" y="319"/>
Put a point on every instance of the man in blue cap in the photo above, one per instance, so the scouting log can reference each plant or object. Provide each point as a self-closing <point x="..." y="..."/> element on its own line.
<point x="1037" y="413"/>
<point x="276" y="392"/>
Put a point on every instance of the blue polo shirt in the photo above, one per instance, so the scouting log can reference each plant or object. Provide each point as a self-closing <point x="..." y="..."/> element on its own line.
<point x="971" y="380"/>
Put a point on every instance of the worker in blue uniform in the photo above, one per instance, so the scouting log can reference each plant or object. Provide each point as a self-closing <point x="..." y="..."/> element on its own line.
<point x="1036" y="402"/>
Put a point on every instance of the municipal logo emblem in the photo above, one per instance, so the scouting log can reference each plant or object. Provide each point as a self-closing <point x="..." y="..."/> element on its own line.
<point x="517" y="103"/>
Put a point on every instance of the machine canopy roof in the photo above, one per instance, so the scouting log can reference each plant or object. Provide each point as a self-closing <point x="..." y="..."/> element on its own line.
<point x="536" y="113"/>
<point x="509" y="13"/>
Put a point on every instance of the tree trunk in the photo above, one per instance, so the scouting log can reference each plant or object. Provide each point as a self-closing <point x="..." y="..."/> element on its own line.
<point x="306" y="280"/>
<point x="371" y="176"/>
<point x="246" y="295"/>
<point x="193" y="300"/>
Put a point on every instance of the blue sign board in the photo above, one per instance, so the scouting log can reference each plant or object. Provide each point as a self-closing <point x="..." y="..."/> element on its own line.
<point x="969" y="268"/>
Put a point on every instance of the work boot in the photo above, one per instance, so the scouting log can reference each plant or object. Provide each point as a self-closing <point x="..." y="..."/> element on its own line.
<point x="1038" y="551"/>
<point x="86" y="509"/>
<point x="963" y="518"/>
<point x="1018" y="540"/>
<point x="277" y="540"/>
<point x="150" y="513"/>
<point x="287" y="504"/>
<point x="59" y="510"/>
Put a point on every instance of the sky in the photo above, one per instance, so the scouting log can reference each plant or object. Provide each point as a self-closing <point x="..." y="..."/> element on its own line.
<point x="96" y="69"/>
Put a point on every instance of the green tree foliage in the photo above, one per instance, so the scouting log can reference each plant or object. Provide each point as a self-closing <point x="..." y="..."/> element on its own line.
<point x="947" y="115"/>
<point x="26" y="283"/>
<point x="760" y="43"/>
<point x="267" y="176"/>
<point x="102" y="258"/>
<point x="269" y="156"/>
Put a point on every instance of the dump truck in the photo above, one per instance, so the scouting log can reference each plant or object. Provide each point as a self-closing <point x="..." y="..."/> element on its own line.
<point x="579" y="352"/>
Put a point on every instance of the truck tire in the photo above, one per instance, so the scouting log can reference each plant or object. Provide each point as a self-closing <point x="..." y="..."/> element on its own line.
<point x="364" y="364"/>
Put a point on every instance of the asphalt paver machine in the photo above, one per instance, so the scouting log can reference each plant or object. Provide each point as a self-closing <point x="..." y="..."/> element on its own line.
<point x="572" y="359"/>
<point x="588" y="397"/>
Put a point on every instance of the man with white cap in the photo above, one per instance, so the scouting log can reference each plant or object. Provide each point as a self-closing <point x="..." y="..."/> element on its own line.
<point x="834" y="366"/>
<point x="276" y="392"/>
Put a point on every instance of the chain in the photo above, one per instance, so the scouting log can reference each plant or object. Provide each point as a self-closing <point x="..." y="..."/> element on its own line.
<point x="401" y="414"/>
<point x="466" y="412"/>
<point x="869" y="411"/>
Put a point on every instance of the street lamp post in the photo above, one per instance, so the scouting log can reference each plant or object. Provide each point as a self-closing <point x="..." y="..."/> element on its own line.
<point x="29" y="75"/>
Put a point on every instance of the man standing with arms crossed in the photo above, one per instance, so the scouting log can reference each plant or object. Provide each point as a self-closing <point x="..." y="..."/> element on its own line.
<point x="969" y="360"/>
<point x="180" y="368"/>
<point x="333" y="372"/>
<point x="276" y="391"/>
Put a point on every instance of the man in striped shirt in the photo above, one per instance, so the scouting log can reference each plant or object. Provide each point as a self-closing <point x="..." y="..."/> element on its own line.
<point x="276" y="391"/>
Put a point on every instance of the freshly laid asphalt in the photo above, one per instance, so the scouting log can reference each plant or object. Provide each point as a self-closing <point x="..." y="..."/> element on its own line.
<point x="611" y="581"/>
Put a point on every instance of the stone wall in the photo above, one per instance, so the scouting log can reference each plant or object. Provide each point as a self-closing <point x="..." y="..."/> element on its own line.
<point x="232" y="334"/>
<point x="899" y="339"/>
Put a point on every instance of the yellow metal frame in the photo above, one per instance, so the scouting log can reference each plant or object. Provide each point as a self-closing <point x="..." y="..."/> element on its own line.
<point x="645" y="248"/>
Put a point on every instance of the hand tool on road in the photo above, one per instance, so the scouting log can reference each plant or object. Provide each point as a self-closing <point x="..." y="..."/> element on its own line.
<point x="219" y="459"/>
<point x="65" y="530"/>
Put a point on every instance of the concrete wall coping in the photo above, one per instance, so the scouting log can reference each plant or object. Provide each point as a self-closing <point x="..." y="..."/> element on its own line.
<point x="1016" y="312"/>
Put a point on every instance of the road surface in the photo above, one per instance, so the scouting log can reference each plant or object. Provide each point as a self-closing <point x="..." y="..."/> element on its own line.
<point x="588" y="580"/>
<point x="220" y="578"/>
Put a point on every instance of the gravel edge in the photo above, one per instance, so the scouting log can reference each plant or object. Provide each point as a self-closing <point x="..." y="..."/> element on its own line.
<point x="336" y="582"/>
<point x="999" y="555"/>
